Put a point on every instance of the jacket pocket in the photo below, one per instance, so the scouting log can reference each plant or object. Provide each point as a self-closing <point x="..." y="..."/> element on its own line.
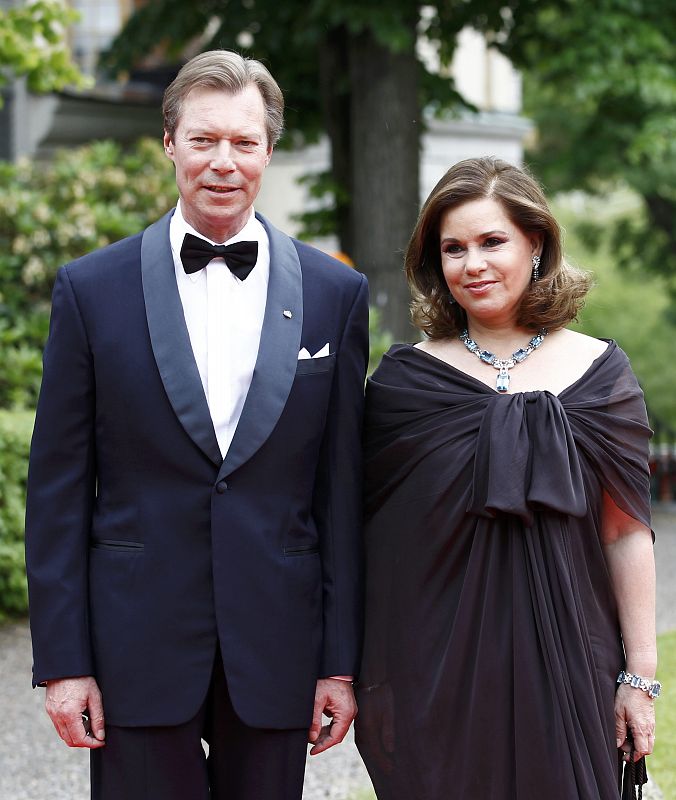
<point x="301" y="550"/>
<point x="312" y="366"/>
<point x="118" y="545"/>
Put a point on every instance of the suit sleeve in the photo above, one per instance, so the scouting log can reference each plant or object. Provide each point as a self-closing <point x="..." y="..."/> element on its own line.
<point x="337" y="500"/>
<point x="60" y="496"/>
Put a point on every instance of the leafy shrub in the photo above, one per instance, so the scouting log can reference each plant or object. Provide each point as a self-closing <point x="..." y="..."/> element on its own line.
<point x="15" y="432"/>
<point x="51" y="213"/>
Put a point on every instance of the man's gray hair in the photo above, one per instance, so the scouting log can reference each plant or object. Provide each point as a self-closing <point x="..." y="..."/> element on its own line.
<point x="230" y="72"/>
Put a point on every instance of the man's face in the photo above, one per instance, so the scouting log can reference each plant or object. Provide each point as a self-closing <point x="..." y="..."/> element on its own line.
<point x="220" y="149"/>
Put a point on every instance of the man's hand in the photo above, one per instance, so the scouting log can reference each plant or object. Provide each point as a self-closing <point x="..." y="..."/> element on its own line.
<point x="334" y="698"/>
<point x="66" y="700"/>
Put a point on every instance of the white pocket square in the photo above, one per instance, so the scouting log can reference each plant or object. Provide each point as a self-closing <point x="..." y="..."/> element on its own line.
<point x="319" y="354"/>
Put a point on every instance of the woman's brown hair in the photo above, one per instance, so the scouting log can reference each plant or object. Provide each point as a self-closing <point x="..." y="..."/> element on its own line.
<point x="550" y="302"/>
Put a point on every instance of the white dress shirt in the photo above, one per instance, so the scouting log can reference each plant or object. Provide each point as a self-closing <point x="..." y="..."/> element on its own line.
<point x="224" y="316"/>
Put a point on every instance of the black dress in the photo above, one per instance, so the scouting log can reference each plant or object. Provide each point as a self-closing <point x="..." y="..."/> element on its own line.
<point x="492" y="640"/>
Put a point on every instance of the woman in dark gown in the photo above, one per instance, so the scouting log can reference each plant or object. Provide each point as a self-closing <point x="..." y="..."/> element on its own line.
<point x="510" y="574"/>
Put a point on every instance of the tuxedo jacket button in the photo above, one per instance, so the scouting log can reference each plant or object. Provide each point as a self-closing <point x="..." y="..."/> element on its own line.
<point x="221" y="487"/>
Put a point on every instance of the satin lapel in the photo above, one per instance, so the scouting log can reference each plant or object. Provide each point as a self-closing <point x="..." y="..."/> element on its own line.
<point x="277" y="358"/>
<point x="170" y="339"/>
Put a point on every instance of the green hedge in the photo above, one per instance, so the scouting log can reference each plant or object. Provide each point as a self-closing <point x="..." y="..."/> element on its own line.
<point x="52" y="213"/>
<point x="15" y="433"/>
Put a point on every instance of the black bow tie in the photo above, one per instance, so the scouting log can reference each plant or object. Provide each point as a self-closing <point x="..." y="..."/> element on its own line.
<point x="240" y="257"/>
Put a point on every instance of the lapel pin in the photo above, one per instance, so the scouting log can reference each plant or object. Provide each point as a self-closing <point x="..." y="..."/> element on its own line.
<point x="288" y="314"/>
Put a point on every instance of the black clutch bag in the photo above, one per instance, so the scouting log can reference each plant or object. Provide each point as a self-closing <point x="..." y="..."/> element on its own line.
<point x="634" y="777"/>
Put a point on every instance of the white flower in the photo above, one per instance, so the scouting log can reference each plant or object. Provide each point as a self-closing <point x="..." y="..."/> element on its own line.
<point x="40" y="239"/>
<point x="34" y="271"/>
<point x="41" y="212"/>
<point x="127" y="200"/>
<point x="20" y="246"/>
<point x="115" y="177"/>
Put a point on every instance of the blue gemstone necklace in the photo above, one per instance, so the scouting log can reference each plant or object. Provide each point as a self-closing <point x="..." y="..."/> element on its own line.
<point x="503" y="364"/>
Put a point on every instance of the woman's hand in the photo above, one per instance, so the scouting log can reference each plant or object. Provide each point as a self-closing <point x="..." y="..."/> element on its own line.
<point x="634" y="715"/>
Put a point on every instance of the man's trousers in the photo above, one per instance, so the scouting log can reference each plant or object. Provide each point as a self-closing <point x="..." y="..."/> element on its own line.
<point x="169" y="763"/>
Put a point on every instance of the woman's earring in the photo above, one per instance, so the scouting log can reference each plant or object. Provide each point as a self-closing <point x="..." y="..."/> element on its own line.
<point x="536" y="268"/>
<point x="451" y="299"/>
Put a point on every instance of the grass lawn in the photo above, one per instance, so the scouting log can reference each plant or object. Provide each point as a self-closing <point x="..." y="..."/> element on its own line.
<point x="662" y="763"/>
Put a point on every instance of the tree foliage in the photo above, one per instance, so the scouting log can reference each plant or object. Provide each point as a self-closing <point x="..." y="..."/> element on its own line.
<point x="599" y="78"/>
<point x="32" y="43"/>
<point x="292" y="38"/>
<point x="600" y="82"/>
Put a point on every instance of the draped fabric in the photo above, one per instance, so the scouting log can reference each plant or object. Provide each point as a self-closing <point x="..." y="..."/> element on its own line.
<point x="492" y="639"/>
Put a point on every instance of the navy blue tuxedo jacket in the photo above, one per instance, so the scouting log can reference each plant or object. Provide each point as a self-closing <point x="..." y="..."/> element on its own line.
<point x="144" y="548"/>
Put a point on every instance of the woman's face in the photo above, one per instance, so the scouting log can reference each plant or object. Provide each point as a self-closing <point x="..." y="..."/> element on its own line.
<point x="487" y="261"/>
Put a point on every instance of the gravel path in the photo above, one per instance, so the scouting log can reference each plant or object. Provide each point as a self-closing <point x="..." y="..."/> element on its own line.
<point x="34" y="765"/>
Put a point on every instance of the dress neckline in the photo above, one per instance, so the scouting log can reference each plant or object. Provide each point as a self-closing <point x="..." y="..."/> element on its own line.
<point x="612" y="345"/>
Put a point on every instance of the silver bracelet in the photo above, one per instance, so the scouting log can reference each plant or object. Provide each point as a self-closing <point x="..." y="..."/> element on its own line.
<point x="653" y="688"/>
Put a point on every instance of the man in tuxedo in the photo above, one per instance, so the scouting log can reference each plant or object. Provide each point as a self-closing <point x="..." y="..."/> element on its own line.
<point x="193" y="510"/>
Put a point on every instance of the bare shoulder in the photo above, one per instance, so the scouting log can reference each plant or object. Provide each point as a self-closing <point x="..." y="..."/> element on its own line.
<point x="434" y="345"/>
<point x="445" y="349"/>
<point x="578" y="345"/>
